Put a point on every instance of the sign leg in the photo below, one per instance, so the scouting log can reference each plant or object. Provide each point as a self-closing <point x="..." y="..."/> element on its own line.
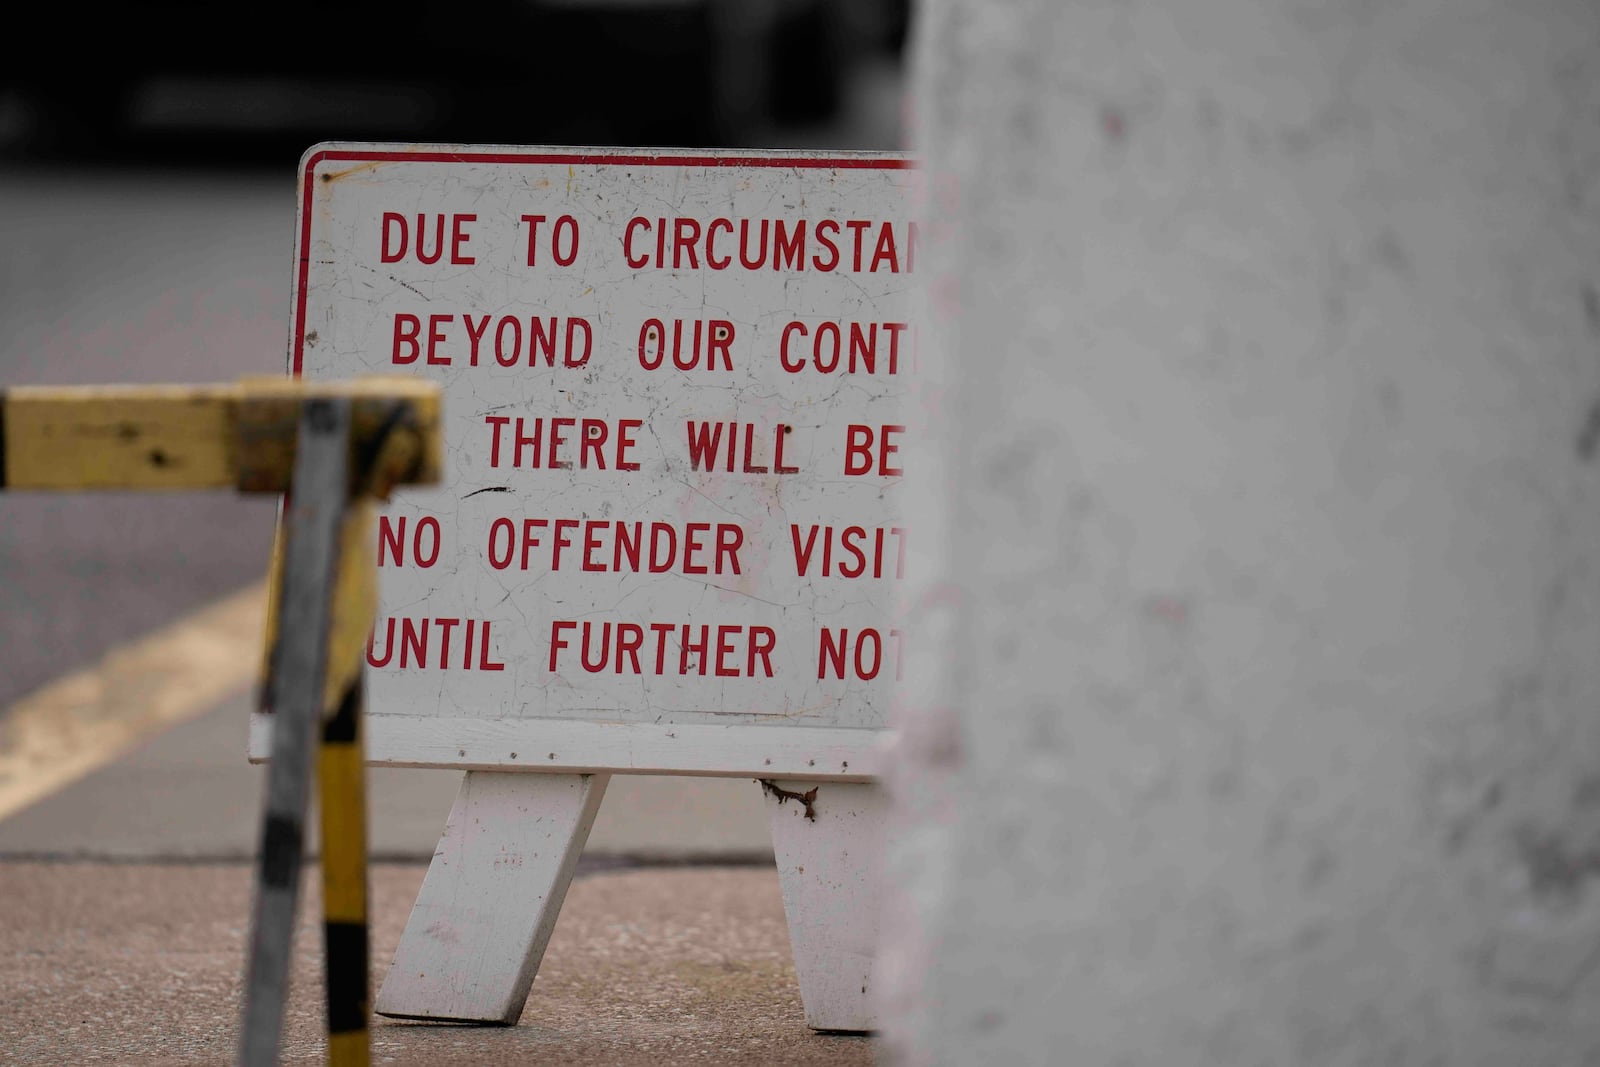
<point x="489" y="902"/>
<point x="828" y="840"/>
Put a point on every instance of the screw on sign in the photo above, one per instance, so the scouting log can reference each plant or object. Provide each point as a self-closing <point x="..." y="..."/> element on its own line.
<point x="333" y="448"/>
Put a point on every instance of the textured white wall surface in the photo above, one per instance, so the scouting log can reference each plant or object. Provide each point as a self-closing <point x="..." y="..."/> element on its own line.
<point x="1254" y="709"/>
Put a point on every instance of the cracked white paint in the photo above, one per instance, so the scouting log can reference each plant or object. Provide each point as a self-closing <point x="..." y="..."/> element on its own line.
<point x="348" y="327"/>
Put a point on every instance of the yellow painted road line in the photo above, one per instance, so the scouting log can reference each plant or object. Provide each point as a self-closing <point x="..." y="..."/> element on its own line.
<point x="79" y="723"/>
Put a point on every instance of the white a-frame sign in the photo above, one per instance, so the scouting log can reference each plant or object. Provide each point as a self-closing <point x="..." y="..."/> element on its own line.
<point x="667" y="542"/>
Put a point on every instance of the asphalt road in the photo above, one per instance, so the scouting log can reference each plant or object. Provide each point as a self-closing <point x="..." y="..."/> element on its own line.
<point x="151" y="273"/>
<point x="132" y="275"/>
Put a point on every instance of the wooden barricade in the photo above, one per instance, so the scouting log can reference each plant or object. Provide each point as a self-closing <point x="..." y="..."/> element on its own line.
<point x="332" y="449"/>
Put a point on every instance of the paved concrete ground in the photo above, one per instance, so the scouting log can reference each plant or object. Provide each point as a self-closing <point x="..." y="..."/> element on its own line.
<point x="142" y="964"/>
<point x="125" y="902"/>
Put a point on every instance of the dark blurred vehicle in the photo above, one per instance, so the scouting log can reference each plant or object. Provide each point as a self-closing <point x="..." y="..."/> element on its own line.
<point x="202" y="77"/>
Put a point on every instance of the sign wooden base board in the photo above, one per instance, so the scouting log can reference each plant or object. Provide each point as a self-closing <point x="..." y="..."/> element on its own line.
<point x="817" y="753"/>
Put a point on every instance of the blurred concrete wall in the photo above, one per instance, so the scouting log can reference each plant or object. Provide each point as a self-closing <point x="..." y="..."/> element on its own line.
<point x="1256" y="712"/>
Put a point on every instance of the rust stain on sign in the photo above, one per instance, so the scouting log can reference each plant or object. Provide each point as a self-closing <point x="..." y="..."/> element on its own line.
<point x="784" y="795"/>
<point x="331" y="176"/>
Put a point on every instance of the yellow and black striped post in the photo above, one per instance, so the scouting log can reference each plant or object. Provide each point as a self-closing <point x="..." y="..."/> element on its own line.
<point x="340" y="769"/>
<point x="325" y="598"/>
<point x="341" y="784"/>
<point x="332" y="449"/>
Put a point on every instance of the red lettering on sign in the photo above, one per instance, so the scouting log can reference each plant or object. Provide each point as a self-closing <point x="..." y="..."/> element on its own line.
<point x="563" y="239"/>
<point x="435" y="337"/>
<point x="788" y="247"/>
<point x="602" y="651"/>
<point x="826" y="232"/>
<point x="725" y="637"/>
<point x="634" y="260"/>
<point x="752" y="259"/>
<point x="706" y="450"/>
<point x="768" y="244"/>
<point x="886" y="253"/>
<point x="425" y="538"/>
<point x="407" y="328"/>
<point x="612" y="546"/>
<point x="707" y="342"/>
<point x="421" y="641"/>
<point x="837" y="652"/>
<point x="395" y="238"/>
<point x="859" y="454"/>
<point x="545" y="336"/>
<point x="630" y="636"/>
<point x="849" y="348"/>
<point x="626" y="443"/>
<point x="857" y="228"/>
<point x="685" y="233"/>
<point x="562" y="540"/>
<point x="849" y="551"/>
<point x="458" y="237"/>
<point x="558" y="644"/>
<point x="716" y="226"/>
<point x="544" y="443"/>
<point x="726" y="650"/>
<point x="475" y="334"/>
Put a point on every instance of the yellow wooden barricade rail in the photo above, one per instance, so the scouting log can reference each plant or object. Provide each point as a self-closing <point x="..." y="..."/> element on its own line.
<point x="332" y="449"/>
